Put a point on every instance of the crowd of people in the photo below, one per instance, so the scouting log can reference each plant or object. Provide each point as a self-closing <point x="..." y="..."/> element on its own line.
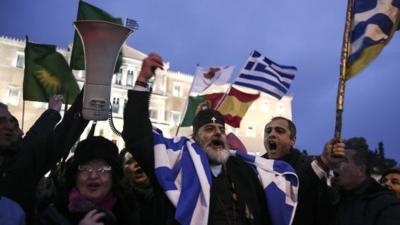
<point x="201" y="179"/>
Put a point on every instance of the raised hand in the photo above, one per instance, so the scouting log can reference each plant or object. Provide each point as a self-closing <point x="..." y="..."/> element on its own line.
<point x="333" y="153"/>
<point x="55" y="102"/>
<point x="149" y="65"/>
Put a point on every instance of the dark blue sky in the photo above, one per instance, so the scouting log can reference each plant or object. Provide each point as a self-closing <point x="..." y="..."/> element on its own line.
<point x="304" y="33"/>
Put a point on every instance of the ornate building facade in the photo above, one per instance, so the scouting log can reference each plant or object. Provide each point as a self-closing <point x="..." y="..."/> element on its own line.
<point x="167" y="105"/>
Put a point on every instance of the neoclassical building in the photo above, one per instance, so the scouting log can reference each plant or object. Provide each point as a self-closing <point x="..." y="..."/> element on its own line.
<point x="168" y="100"/>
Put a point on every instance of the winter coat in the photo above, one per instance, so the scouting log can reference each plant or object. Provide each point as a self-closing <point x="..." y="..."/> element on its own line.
<point x="26" y="162"/>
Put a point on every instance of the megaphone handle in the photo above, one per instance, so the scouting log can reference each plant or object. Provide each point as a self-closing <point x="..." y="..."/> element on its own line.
<point x="112" y="126"/>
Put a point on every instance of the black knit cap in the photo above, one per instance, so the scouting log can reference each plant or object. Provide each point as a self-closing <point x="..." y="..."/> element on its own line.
<point x="392" y="170"/>
<point x="95" y="147"/>
<point x="207" y="116"/>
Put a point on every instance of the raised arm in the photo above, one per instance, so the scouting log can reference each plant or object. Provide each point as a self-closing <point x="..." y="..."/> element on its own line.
<point x="59" y="142"/>
<point x="137" y="132"/>
<point x="44" y="125"/>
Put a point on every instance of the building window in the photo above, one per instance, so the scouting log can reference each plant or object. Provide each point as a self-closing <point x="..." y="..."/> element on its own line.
<point x="153" y="114"/>
<point x="118" y="78"/>
<point x="129" y="78"/>
<point x="13" y="96"/>
<point x="177" y="89"/>
<point x="250" y="131"/>
<point x="280" y="109"/>
<point x="20" y="61"/>
<point x="175" y="118"/>
<point x="125" y="101"/>
<point x="115" y="105"/>
<point x="264" y="106"/>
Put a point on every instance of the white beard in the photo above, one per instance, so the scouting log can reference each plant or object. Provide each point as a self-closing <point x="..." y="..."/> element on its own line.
<point x="217" y="157"/>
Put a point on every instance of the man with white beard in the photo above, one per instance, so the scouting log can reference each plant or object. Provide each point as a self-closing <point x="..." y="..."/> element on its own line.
<point x="199" y="180"/>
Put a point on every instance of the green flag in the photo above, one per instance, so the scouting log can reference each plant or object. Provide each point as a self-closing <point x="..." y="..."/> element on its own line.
<point x="197" y="103"/>
<point x="47" y="73"/>
<point x="89" y="12"/>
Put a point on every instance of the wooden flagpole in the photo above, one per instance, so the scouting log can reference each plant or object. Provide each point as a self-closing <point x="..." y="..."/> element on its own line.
<point x="343" y="69"/>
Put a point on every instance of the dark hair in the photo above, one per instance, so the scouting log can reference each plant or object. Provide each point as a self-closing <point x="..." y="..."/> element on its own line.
<point x="3" y="106"/>
<point x="361" y="155"/>
<point x="393" y="170"/>
<point x="292" y="127"/>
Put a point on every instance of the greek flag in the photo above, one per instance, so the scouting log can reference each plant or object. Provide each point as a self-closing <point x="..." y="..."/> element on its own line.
<point x="263" y="74"/>
<point x="182" y="169"/>
<point x="131" y="24"/>
<point x="374" y="23"/>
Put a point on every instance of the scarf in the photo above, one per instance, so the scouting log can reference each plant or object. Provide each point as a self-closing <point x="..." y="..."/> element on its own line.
<point x="78" y="203"/>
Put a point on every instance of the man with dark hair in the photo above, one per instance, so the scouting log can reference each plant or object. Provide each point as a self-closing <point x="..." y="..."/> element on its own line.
<point x="199" y="180"/>
<point x="362" y="199"/>
<point x="391" y="180"/>
<point x="23" y="161"/>
<point x="315" y="196"/>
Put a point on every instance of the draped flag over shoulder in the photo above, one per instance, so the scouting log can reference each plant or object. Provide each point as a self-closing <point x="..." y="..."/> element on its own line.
<point x="182" y="169"/>
<point x="262" y="74"/>
<point x="47" y="73"/>
<point x="235" y="106"/>
<point x="90" y="12"/>
<point x="374" y="23"/>
<point x="205" y="77"/>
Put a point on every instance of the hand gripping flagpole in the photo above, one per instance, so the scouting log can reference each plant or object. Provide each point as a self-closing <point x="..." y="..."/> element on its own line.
<point x="343" y="69"/>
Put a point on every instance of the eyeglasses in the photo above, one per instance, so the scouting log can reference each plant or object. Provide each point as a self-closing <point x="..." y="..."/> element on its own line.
<point x="86" y="170"/>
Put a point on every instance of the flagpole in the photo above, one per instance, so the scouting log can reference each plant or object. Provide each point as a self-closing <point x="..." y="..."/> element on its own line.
<point x="187" y="103"/>
<point x="343" y="69"/>
<point x="23" y="115"/>
<point x="230" y="86"/>
<point x="223" y="97"/>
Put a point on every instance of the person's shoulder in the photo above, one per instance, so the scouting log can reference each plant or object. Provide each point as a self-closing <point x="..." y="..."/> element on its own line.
<point x="10" y="209"/>
<point x="379" y="198"/>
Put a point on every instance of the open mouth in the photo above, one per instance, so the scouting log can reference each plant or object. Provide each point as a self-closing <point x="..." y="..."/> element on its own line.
<point x="336" y="173"/>
<point x="217" y="143"/>
<point x="271" y="145"/>
<point x="139" y="171"/>
<point x="93" y="186"/>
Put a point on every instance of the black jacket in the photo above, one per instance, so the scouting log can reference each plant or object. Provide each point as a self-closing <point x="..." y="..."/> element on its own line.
<point x="315" y="198"/>
<point x="42" y="147"/>
<point x="137" y="134"/>
<point x="57" y="213"/>
<point x="369" y="204"/>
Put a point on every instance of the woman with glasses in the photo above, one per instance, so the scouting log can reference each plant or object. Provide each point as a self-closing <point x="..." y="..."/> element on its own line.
<point x="92" y="191"/>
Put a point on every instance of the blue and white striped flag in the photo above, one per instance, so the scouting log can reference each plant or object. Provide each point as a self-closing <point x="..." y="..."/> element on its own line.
<point x="374" y="23"/>
<point x="263" y="74"/>
<point x="182" y="169"/>
<point x="131" y="24"/>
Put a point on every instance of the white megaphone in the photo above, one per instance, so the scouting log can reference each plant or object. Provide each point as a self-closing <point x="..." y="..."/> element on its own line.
<point x="102" y="42"/>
